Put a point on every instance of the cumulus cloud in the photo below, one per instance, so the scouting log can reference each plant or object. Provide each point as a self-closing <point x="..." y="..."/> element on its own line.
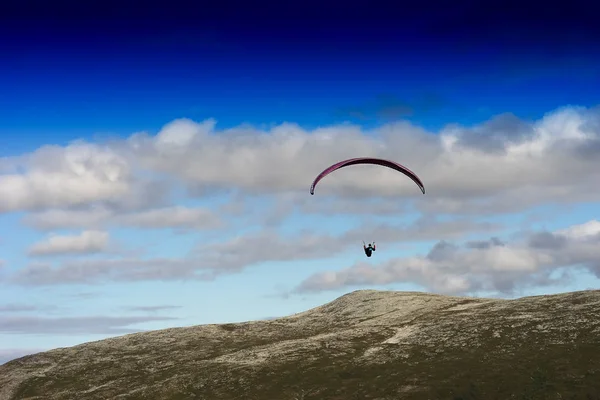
<point x="78" y="174"/>
<point x="87" y="242"/>
<point x="588" y="229"/>
<point x="502" y="165"/>
<point x="492" y="266"/>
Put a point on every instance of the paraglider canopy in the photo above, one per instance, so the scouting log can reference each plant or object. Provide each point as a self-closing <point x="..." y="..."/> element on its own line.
<point x="368" y="160"/>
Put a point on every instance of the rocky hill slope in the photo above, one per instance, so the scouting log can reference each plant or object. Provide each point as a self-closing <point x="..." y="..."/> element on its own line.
<point x="364" y="345"/>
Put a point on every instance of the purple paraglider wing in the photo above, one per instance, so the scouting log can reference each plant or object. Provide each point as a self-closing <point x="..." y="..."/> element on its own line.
<point x="368" y="160"/>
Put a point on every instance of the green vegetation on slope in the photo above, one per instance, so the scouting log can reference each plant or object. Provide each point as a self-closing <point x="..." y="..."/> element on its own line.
<point x="365" y="345"/>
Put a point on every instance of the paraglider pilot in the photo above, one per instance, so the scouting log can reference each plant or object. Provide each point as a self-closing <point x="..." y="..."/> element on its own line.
<point x="369" y="249"/>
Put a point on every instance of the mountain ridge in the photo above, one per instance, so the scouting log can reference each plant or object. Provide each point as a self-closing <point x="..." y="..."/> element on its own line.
<point x="367" y="343"/>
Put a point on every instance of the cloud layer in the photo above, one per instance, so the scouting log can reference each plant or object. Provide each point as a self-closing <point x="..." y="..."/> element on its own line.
<point x="74" y="325"/>
<point x="481" y="266"/>
<point x="526" y="162"/>
<point x="87" y="242"/>
<point x="151" y="182"/>
<point x="103" y="217"/>
<point x="463" y="168"/>
<point x="207" y="261"/>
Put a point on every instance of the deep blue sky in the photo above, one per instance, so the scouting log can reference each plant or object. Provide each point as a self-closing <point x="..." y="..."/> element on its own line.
<point x="74" y="69"/>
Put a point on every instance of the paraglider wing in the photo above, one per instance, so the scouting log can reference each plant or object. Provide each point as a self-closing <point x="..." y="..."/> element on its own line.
<point x="368" y="160"/>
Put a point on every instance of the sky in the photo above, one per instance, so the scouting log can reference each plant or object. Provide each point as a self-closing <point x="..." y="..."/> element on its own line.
<point x="155" y="164"/>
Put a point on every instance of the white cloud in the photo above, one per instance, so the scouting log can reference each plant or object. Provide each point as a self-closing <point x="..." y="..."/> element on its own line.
<point x="77" y="174"/>
<point x="93" y="217"/>
<point x="180" y="217"/>
<point x="502" y="165"/>
<point x="103" y="217"/>
<point x="210" y="260"/>
<point x="590" y="228"/>
<point x="502" y="162"/>
<point x="495" y="267"/>
<point x="85" y="243"/>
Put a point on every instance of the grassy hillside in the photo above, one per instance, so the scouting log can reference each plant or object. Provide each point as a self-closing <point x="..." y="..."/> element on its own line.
<point x="364" y="345"/>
